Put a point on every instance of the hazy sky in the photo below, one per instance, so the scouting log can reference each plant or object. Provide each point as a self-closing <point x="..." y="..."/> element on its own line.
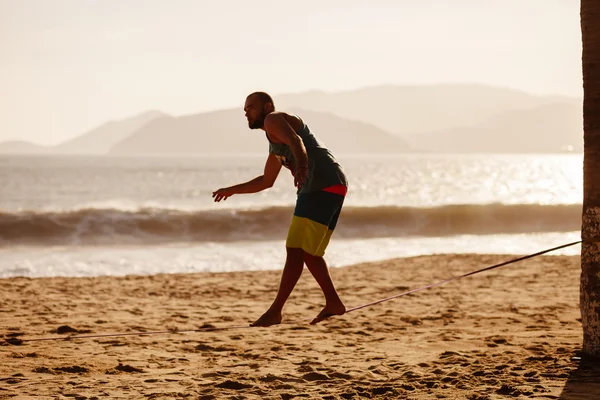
<point x="66" y="66"/>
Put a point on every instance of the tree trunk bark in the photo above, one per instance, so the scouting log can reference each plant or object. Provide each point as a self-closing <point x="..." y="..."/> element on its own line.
<point x="590" y="229"/>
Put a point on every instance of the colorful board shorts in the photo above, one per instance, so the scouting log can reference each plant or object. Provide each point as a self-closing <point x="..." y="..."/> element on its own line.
<point x="315" y="218"/>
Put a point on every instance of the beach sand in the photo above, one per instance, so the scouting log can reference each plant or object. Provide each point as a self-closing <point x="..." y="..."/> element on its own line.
<point x="508" y="333"/>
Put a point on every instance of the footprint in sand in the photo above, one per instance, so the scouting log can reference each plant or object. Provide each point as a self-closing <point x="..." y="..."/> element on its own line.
<point x="128" y="368"/>
<point x="315" y="376"/>
<point x="205" y="347"/>
<point x="431" y="384"/>
<point x="496" y="341"/>
<point x="43" y="370"/>
<point x="64" y="329"/>
<point x="378" y="391"/>
<point x="340" y="375"/>
<point x="306" y="368"/>
<point x="233" y="385"/>
<point x="75" y="369"/>
<point x="215" y="374"/>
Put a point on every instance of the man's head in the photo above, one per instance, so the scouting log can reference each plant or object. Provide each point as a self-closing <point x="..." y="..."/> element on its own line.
<point x="258" y="105"/>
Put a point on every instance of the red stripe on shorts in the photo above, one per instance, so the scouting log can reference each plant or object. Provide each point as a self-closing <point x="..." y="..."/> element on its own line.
<point x="337" y="189"/>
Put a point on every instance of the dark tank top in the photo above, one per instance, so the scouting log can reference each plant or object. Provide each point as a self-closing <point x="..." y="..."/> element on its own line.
<point x="323" y="169"/>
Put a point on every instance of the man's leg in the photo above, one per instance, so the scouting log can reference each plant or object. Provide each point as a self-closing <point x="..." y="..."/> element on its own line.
<point x="333" y="304"/>
<point x="294" y="264"/>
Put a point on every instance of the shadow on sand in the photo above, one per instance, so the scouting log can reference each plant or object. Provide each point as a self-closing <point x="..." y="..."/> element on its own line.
<point x="584" y="382"/>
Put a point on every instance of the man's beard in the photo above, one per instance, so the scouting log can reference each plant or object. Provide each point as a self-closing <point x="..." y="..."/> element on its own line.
<point x="257" y="123"/>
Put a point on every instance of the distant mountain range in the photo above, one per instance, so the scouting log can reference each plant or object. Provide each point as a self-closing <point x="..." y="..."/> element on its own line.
<point x="97" y="141"/>
<point x="550" y="128"/>
<point x="23" y="147"/>
<point x="103" y="138"/>
<point x="227" y="131"/>
<point x="410" y="110"/>
<point x="384" y="119"/>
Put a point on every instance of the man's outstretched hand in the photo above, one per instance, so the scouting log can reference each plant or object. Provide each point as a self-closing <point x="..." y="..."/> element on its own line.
<point x="222" y="194"/>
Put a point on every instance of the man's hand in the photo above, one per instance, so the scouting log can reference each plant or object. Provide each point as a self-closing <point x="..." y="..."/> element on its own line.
<point x="300" y="176"/>
<point x="222" y="194"/>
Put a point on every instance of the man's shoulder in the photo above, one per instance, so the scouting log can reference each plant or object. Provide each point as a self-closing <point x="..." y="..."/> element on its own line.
<point x="279" y="116"/>
<point x="275" y="117"/>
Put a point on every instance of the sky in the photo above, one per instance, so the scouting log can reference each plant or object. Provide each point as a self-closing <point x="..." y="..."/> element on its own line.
<point x="67" y="66"/>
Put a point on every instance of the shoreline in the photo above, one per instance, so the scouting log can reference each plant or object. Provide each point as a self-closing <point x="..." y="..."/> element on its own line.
<point x="508" y="332"/>
<point x="248" y="255"/>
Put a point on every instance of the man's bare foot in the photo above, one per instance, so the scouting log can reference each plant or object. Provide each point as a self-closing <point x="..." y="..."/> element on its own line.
<point x="267" y="319"/>
<point x="329" y="311"/>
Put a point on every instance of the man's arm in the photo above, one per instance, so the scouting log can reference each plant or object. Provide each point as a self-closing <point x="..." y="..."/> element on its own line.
<point x="265" y="181"/>
<point x="280" y="129"/>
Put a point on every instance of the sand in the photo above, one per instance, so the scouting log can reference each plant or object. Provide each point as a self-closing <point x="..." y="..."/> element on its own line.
<point x="508" y="333"/>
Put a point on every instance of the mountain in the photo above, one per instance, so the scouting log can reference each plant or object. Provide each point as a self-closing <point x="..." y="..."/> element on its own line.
<point x="432" y="118"/>
<point x="410" y="110"/>
<point x="102" y="138"/>
<point x="226" y="131"/>
<point x="550" y="128"/>
<point x="22" y="147"/>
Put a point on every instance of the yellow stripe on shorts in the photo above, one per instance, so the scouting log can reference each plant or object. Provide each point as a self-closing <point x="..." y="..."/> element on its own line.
<point x="308" y="235"/>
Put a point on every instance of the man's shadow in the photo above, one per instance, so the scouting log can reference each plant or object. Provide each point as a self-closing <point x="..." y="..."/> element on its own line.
<point x="583" y="382"/>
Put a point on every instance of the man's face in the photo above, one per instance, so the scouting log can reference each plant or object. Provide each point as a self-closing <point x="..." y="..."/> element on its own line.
<point x="255" y="112"/>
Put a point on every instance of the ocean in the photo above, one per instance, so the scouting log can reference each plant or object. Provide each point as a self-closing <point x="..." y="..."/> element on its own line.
<point x="101" y="215"/>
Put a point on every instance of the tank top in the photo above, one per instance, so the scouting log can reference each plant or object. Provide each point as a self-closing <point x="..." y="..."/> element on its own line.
<point x="323" y="169"/>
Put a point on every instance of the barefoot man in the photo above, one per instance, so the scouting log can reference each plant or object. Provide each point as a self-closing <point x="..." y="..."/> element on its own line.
<point x="321" y="187"/>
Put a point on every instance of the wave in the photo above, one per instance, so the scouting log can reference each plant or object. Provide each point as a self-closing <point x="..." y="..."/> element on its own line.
<point x="155" y="225"/>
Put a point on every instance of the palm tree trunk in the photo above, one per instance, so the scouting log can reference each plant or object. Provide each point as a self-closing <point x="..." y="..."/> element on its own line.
<point x="590" y="230"/>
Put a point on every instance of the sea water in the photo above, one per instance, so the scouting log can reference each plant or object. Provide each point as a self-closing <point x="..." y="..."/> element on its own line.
<point x="100" y="215"/>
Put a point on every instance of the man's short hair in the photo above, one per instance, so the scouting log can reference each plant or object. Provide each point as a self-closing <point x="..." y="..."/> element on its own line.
<point x="263" y="97"/>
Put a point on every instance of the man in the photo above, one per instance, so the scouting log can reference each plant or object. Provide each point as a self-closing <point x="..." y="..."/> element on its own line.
<point x="321" y="188"/>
